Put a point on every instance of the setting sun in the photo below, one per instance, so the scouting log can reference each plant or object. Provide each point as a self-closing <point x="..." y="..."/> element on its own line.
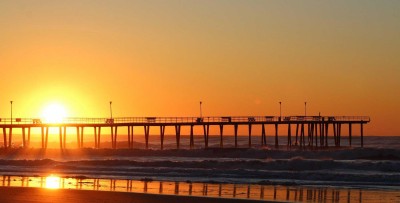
<point x="53" y="113"/>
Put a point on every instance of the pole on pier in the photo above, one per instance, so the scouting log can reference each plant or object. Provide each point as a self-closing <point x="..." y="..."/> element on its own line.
<point x="162" y="132"/>
<point x="221" y="139"/>
<point x="276" y="136"/>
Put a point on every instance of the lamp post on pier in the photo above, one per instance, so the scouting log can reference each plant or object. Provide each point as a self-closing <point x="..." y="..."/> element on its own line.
<point x="11" y="102"/>
<point x="280" y="111"/>
<point x="305" y="109"/>
<point x="111" y="109"/>
<point x="201" y="113"/>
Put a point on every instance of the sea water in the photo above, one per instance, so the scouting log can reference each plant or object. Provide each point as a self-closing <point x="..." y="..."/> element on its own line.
<point x="349" y="170"/>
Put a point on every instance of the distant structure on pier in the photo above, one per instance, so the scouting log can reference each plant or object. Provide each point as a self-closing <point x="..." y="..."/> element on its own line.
<point x="310" y="131"/>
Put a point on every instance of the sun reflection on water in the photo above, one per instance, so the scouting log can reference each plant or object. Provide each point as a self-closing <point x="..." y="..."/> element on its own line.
<point x="52" y="182"/>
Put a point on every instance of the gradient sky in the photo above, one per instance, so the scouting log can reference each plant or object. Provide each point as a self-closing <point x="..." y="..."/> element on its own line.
<point x="160" y="58"/>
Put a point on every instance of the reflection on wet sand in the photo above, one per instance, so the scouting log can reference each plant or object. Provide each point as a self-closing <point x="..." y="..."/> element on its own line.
<point x="243" y="191"/>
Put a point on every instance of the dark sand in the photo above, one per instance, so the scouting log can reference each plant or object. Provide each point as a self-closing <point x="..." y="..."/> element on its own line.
<point x="35" y="195"/>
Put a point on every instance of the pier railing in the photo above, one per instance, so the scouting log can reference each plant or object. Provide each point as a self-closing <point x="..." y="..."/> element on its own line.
<point x="212" y="119"/>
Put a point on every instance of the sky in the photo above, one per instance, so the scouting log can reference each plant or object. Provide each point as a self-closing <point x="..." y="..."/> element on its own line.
<point x="240" y="58"/>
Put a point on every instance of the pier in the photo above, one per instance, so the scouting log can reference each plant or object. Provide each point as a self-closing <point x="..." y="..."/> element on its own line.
<point x="302" y="131"/>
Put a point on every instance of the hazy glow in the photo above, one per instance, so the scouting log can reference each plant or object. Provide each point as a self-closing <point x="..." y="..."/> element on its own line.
<point x="53" y="182"/>
<point x="240" y="57"/>
<point x="53" y="113"/>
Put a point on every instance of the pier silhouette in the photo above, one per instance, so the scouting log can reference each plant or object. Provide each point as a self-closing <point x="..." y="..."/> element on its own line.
<point x="309" y="131"/>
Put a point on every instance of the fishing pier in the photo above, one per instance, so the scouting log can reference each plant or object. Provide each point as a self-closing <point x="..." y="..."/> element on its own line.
<point x="302" y="131"/>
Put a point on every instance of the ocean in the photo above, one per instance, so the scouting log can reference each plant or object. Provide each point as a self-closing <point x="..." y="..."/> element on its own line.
<point x="374" y="169"/>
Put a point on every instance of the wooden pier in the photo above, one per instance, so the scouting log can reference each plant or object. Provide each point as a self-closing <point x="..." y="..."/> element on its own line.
<point x="302" y="131"/>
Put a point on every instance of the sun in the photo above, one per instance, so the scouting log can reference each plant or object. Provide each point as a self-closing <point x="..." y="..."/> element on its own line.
<point x="53" y="113"/>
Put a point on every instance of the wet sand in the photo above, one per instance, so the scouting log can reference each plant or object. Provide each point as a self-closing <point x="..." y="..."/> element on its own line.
<point x="33" y="195"/>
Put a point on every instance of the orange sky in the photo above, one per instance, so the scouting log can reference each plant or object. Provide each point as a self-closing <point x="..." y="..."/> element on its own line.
<point x="160" y="58"/>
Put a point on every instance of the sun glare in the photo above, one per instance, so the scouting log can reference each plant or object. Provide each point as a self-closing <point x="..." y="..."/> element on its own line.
<point x="52" y="182"/>
<point x="53" y="113"/>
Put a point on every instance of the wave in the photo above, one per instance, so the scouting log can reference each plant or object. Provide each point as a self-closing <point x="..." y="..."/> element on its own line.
<point x="345" y="166"/>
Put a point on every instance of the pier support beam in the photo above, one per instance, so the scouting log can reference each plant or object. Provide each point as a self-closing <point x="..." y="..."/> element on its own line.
<point x="289" y="141"/>
<point x="23" y="138"/>
<point x="162" y="132"/>
<point x="249" y="135"/>
<point x="206" y="134"/>
<point x="178" y="135"/>
<point x="47" y="137"/>
<point x="350" y="132"/>
<point x="339" y="134"/>
<point x="276" y="136"/>
<point x="29" y="137"/>
<point x="297" y="134"/>
<point x="191" y="137"/>
<point x="362" y="134"/>
<point x="5" y="137"/>
<point x="65" y="137"/>
<point x="236" y="135"/>
<point x="335" y="134"/>
<point x="78" y="137"/>
<point x="263" y="136"/>
<point x="82" y="129"/>
<point x="326" y="133"/>
<point x="130" y="137"/>
<point x="60" y="137"/>
<point x="302" y="137"/>
<point x="221" y="139"/>
<point x="10" y="137"/>
<point x="146" y="135"/>
<point x="97" y="133"/>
